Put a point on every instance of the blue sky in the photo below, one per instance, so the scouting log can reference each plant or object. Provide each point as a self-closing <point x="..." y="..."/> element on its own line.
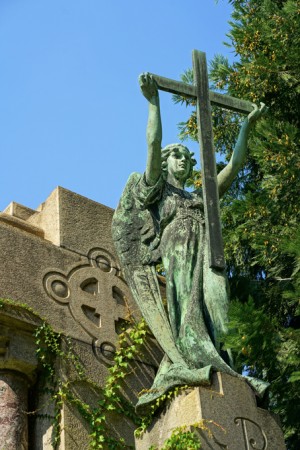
<point x="71" y="113"/>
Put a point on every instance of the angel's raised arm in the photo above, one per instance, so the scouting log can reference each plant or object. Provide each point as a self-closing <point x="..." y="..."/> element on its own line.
<point x="154" y="129"/>
<point x="227" y="175"/>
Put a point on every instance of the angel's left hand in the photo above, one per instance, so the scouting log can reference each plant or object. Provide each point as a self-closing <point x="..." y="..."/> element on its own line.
<point x="257" y="113"/>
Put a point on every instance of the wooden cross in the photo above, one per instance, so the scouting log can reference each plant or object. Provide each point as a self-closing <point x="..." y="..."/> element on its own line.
<point x="204" y="97"/>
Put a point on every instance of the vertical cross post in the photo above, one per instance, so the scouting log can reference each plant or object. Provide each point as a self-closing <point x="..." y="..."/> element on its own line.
<point x="204" y="97"/>
<point x="208" y="163"/>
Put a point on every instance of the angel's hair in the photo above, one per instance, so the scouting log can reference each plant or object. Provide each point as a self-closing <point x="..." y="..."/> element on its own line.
<point x="166" y="152"/>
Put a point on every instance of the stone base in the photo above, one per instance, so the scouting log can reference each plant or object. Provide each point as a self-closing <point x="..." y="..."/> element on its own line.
<point x="224" y="416"/>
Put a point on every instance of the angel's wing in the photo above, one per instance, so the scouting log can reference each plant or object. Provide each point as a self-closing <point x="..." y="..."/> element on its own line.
<point x="134" y="233"/>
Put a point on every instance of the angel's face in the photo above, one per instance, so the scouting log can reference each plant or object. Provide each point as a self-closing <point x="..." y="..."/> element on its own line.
<point x="179" y="164"/>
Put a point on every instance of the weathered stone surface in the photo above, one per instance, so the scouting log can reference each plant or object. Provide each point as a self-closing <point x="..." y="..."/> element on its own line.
<point x="60" y="261"/>
<point x="21" y="212"/>
<point x="17" y="345"/>
<point x="75" y="222"/>
<point x="76" y="434"/>
<point x="228" y="409"/>
<point x="41" y="426"/>
<point x="80" y="291"/>
<point x="47" y="218"/>
<point x="25" y="259"/>
<point x="20" y="223"/>
<point x="13" y="408"/>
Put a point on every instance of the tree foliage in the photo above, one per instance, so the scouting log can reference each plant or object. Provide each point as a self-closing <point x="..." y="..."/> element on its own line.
<point x="260" y="212"/>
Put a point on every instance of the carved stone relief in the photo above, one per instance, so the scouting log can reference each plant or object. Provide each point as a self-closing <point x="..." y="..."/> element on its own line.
<point x="249" y="432"/>
<point x="229" y="410"/>
<point x="96" y="296"/>
<point x="254" y="435"/>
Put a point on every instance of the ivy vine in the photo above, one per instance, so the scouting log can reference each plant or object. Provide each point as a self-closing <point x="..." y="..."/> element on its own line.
<point x="186" y="437"/>
<point x="181" y="439"/>
<point x="50" y="350"/>
<point x="54" y="347"/>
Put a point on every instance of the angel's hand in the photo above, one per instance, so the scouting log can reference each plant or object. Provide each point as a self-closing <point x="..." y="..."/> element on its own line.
<point x="148" y="86"/>
<point x="257" y="113"/>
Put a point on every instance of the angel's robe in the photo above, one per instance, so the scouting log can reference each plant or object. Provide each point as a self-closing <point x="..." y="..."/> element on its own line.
<point x="167" y="222"/>
<point x="197" y="296"/>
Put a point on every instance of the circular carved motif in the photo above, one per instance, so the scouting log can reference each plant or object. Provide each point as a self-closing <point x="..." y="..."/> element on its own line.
<point x="60" y="288"/>
<point x="108" y="350"/>
<point x="57" y="286"/>
<point x="96" y="298"/>
<point x="103" y="263"/>
<point x="104" y="351"/>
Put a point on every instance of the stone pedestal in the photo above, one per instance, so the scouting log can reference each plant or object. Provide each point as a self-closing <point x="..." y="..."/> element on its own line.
<point x="224" y="416"/>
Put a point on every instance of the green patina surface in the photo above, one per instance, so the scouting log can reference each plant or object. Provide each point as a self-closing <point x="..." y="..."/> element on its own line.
<point x="157" y="220"/>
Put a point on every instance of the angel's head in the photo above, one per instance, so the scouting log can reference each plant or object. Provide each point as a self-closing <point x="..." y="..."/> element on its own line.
<point x="176" y="159"/>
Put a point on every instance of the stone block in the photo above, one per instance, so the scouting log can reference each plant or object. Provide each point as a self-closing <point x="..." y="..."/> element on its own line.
<point x="227" y="409"/>
<point x="47" y="218"/>
<point x="21" y="224"/>
<point x="74" y="222"/>
<point x="76" y="431"/>
<point x="21" y="212"/>
<point x="83" y="296"/>
<point x="17" y="345"/>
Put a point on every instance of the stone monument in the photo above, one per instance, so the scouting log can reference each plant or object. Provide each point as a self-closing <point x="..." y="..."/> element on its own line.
<point x="158" y="221"/>
<point x="58" y="265"/>
<point x="59" y="269"/>
<point x="222" y="416"/>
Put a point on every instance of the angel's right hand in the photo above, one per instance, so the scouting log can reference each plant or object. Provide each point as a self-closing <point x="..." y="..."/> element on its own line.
<point x="148" y="86"/>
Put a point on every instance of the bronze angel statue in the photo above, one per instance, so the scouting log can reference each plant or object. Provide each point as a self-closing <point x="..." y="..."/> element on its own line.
<point x="158" y="220"/>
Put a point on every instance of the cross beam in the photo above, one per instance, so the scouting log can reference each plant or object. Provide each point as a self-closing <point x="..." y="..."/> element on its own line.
<point x="224" y="101"/>
<point x="204" y="98"/>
